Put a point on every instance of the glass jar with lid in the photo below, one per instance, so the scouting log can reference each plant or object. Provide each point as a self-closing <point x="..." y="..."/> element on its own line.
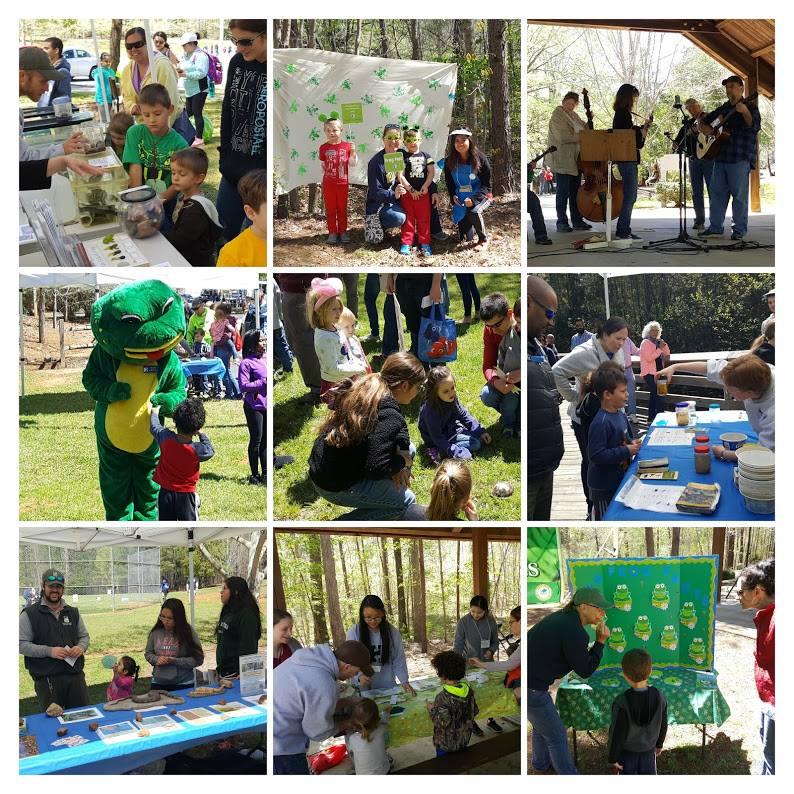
<point x="141" y="212"/>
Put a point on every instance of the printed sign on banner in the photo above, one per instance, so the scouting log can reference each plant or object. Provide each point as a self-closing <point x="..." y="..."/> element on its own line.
<point x="543" y="566"/>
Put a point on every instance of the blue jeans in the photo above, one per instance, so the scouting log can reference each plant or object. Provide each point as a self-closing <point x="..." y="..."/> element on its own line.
<point x="230" y="209"/>
<point x="281" y="349"/>
<point x="295" y="764"/>
<point x="467" y="441"/>
<point x="699" y="174"/>
<point x="469" y="292"/>
<point x="768" y="739"/>
<point x="567" y="188"/>
<point x="508" y="405"/>
<point x="629" y="173"/>
<point x="391" y="216"/>
<point x="225" y="352"/>
<point x="371" y="292"/>
<point x="631" y="384"/>
<point x="549" y="737"/>
<point x="729" y="181"/>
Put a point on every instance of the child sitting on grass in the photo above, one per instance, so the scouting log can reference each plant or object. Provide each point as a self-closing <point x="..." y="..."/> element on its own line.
<point x="610" y="441"/>
<point x="508" y="360"/>
<point x="323" y="313"/>
<point x="125" y="674"/>
<point x="447" y="428"/>
<point x="248" y="248"/>
<point x="450" y="494"/>
<point x="454" y="708"/>
<point x="177" y="470"/>
<point x="196" y="226"/>
<point x="366" y="738"/>
<point x="639" y="719"/>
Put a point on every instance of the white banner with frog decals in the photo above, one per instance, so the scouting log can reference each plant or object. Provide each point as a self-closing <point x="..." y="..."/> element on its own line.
<point x="366" y="93"/>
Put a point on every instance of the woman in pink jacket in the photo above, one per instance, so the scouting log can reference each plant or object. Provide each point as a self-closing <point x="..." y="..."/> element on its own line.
<point x="653" y="352"/>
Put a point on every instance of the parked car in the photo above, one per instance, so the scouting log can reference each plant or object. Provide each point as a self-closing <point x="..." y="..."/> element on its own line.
<point x="82" y="63"/>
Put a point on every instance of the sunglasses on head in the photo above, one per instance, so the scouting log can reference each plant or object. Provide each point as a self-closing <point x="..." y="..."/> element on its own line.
<point x="245" y="42"/>
<point x="135" y="45"/>
<point x="54" y="579"/>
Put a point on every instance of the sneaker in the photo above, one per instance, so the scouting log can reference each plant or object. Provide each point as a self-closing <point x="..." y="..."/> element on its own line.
<point x="582" y="227"/>
<point x="310" y="398"/>
<point x="280" y="461"/>
<point x="698" y="226"/>
<point x="371" y="338"/>
<point x="434" y="455"/>
<point x="254" y="479"/>
<point x="405" y="250"/>
<point x="197" y="142"/>
<point x="710" y="233"/>
<point x="333" y="239"/>
<point x="628" y="237"/>
<point x="494" y="725"/>
<point x="426" y="250"/>
<point x="542" y="241"/>
<point x="344" y="237"/>
<point x="476" y="729"/>
<point x="564" y="228"/>
<point x="737" y="236"/>
<point x="466" y="319"/>
<point x="441" y="236"/>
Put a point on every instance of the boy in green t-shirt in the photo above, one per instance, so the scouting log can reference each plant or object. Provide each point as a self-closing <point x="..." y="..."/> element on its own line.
<point x="149" y="146"/>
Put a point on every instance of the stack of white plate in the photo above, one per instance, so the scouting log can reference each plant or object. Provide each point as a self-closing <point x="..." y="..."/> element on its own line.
<point x="757" y="478"/>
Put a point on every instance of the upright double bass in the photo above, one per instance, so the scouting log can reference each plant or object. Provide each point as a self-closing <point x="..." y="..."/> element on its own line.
<point x="591" y="198"/>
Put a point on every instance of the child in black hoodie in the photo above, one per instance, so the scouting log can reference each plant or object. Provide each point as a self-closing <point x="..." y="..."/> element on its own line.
<point x="196" y="226"/>
<point x="639" y="719"/>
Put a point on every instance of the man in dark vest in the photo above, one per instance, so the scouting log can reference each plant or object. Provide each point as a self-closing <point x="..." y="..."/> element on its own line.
<point x="53" y="639"/>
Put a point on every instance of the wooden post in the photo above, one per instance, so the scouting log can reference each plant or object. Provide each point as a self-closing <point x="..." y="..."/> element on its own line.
<point x="279" y="599"/>
<point x="755" y="174"/>
<point x="479" y="561"/>
<point x="61" y="336"/>
<point x="718" y="548"/>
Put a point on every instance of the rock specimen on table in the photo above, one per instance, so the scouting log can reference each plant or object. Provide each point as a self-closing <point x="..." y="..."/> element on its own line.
<point x="62" y="731"/>
<point x="93" y="726"/>
<point x="54" y="710"/>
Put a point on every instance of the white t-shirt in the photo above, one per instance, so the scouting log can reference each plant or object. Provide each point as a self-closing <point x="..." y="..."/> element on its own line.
<point x="370" y="757"/>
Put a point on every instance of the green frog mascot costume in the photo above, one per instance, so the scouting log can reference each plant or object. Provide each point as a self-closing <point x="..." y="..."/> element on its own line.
<point x="136" y="326"/>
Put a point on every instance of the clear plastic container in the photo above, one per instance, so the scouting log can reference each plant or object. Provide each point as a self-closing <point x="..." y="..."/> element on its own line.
<point x="661" y="386"/>
<point x="682" y="414"/>
<point x="98" y="196"/>
<point x="141" y="212"/>
<point x="702" y="459"/>
<point x="693" y="413"/>
<point x="93" y="137"/>
<point x="714" y="412"/>
<point x="62" y="107"/>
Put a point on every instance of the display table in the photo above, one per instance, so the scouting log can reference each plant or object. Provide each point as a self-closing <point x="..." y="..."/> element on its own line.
<point x="203" y="366"/>
<point x="731" y="506"/>
<point x="693" y="698"/>
<point x="45" y="119"/>
<point x="100" y="757"/>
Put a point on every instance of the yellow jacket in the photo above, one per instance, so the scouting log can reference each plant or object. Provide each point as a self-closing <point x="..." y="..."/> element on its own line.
<point x="160" y="71"/>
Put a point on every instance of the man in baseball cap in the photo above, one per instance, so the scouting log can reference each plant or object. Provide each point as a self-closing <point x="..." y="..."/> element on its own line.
<point x="305" y="695"/>
<point x="53" y="639"/>
<point x="556" y="646"/>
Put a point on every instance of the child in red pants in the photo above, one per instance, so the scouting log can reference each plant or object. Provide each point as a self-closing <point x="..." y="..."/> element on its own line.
<point x="336" y="156"/>
<point x="416" y="179"/>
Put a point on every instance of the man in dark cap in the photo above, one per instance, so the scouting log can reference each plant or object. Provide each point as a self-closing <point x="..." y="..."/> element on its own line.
<point x="734" y="161"/>
<point x="53" y="639"/>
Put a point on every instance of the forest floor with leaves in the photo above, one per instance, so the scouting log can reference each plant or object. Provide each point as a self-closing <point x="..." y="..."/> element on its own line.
<point x="295" y="426"/>
<point x="300" y="240"/>
<point x="733" y="748"/>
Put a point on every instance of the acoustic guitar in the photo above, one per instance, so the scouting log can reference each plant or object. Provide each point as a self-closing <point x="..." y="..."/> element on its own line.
<point x="708" y="146"/>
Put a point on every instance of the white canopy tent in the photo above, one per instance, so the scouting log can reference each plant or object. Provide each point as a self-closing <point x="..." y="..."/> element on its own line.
<point x="192" y="279"/>
<point x="82" y="538"/>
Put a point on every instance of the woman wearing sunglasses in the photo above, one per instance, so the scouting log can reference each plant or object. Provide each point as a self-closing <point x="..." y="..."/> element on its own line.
<point x="145" y="67"/>
<point x="160" y="41"/>
<point x="243" y="118"/>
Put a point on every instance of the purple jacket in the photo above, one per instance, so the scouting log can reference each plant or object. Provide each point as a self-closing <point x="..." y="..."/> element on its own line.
<point x="252" y="377"/>
<point x="439" y="430"/>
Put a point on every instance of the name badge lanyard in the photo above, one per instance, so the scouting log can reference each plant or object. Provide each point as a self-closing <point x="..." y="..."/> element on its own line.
<point x="486" y="642"/>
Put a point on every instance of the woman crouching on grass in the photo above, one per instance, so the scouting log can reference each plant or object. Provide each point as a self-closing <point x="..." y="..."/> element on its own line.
<point x="363" y="455"/>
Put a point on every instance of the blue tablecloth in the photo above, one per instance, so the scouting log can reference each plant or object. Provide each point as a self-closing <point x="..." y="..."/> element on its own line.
<point x="100" y="758"/>
<point x="203" y="366"/>
<point x="682" y="459"/>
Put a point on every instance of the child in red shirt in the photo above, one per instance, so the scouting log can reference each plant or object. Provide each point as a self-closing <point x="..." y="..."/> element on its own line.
<point x="336" y="156"/>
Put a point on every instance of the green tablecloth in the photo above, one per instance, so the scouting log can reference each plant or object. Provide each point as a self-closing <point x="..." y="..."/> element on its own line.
<point x="693" y="697"/>
<point x="414" y="723"/>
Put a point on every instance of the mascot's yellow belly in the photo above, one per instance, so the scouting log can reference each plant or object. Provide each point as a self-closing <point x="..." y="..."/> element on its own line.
<point x="127" y="421"/>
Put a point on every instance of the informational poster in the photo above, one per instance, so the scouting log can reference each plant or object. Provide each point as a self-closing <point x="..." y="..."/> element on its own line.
<point x="665" y="605"/>
<point x="253" y="672"/>
<point x="543" y="566"/>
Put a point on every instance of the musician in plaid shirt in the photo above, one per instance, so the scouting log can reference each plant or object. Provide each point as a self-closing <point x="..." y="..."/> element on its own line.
<point x="735" y="159"/>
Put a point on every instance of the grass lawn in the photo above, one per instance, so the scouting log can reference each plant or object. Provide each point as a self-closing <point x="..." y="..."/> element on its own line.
<point x="58" y="469"/>
<point x="124" y="632"/>
<point x="295" y="425"/>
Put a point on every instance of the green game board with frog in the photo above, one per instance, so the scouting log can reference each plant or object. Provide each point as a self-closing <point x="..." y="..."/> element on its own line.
<point x="665" y="605"/>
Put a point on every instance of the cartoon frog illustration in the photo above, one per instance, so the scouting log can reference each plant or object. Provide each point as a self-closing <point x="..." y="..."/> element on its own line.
<point x="617" y="640"/>
<point x="612" y="683"/>
<point x="673" y="680"/>
<point x="622" y="598"/>
<point x="660" y="598"/>
<point x="697" y="650"/>
<point x="669" y="638"/>
<point x="642" y="628"/>
<point x="687" y="615"/>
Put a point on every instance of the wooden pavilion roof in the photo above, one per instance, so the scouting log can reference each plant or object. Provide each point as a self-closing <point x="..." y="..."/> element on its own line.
<point x="743" y="46"/>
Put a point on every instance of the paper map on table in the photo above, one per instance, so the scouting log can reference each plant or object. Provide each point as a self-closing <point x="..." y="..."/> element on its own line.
<point x="669" y="437"/>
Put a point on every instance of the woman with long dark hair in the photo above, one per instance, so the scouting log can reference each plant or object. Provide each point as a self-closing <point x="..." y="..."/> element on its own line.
<point x="467" y="174"/>
<point x="623" y="106"/>
<point x="173" y="648"/>
<point x="385" y="646"/>
<point x="252" y="378"/>
<point x="160" y="41"/>
<point x="239" y="625"/>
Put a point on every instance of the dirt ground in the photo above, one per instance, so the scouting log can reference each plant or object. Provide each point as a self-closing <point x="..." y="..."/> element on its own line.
<point x="732" y="749"/>
<point x="45" y="355"/>
<point x="300" y="240"/>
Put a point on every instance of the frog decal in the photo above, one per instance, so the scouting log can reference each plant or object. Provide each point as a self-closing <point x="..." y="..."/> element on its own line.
<point x="622" y="598"/>
<point x="612" y="683"/>
<point x="687" y="615"/>
<point x="673" y="680"/>
<point x="660" y="598"/>
<point x="697" y="650"/>
<point x="642" y="628"/>
<point x="136" y="327"/>
<point x="617" y="640"/>
<point x="669" y="638"/>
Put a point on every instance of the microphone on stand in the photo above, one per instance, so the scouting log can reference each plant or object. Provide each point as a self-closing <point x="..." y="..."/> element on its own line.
<point x="677" y="104"/>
